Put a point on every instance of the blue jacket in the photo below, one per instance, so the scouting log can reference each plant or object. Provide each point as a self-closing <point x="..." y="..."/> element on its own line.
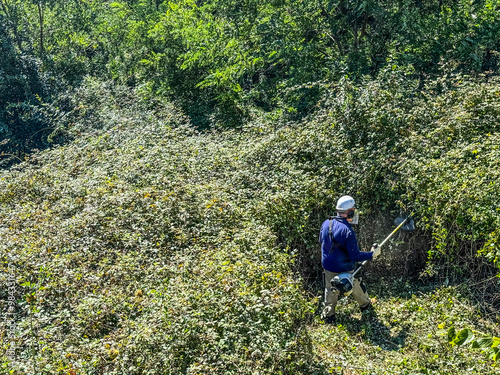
<point x="345" y="252"/>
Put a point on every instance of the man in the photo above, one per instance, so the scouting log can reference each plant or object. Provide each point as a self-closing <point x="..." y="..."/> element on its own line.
<point x="339" y="252"/>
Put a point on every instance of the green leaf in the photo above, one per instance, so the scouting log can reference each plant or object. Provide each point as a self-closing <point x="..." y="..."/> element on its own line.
<point x="495" y="354"/>
<point x="464" y="337"/>
<point x="451" y="334"/>
<point x="484" y="342"/>
<point x="495" y="342"/>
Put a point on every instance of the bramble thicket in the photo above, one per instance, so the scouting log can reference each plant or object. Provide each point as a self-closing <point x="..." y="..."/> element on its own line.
<point x="166" y="167"/>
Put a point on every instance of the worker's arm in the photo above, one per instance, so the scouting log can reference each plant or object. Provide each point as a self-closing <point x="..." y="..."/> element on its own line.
<point x="352" y="248"/>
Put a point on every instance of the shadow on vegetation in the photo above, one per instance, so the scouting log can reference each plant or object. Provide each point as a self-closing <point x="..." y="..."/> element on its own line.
<point x="372" y="329"/>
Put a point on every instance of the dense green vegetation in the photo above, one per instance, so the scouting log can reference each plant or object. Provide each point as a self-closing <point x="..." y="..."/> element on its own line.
<point x="192" y="150"/>
<point x="220" y="59"/>
<point x="148" y="234"/>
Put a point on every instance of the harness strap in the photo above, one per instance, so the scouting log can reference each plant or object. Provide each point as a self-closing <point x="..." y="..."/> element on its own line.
<point x="330" y="234"/>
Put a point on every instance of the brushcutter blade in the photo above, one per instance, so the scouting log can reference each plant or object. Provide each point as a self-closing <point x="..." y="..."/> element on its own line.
<point x="409" y="225"/>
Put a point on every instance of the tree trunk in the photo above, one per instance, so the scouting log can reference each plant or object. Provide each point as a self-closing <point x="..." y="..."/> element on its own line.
<point x="40" y="16"/>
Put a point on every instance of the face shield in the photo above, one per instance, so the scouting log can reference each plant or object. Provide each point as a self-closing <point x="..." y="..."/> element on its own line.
<point x="353" y="217"/>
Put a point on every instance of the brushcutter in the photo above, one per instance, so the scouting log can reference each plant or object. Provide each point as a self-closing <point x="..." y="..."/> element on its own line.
<point x="344" y="282"/>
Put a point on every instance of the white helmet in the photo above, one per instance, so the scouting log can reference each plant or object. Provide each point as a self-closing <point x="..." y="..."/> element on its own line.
<point x="345" y="203"/>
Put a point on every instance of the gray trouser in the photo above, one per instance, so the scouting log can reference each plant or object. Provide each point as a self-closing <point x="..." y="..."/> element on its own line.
<point x="331" y="296"/>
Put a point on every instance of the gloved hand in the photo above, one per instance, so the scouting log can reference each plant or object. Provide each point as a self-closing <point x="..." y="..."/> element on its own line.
<point x="375" y="250"/>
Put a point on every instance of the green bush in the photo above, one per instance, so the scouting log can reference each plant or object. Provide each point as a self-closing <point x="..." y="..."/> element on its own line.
<point x="141" y="255"/>
<point x="433" y="152"/>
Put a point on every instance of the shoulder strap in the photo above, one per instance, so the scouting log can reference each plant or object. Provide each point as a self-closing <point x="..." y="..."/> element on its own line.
<point x="330" y="225"/>
<point x="330" y="233"/>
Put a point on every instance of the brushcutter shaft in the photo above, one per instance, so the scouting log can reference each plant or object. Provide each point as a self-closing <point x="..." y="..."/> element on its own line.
<point x="383" y="242"/>
<point x="394" y="231"/>
<point x="361" y="266"/>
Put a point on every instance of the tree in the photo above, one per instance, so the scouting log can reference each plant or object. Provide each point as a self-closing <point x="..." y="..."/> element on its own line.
<point x="21" y="90"/>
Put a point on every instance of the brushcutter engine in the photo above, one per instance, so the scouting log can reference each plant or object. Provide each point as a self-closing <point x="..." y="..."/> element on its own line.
<point x="343" y="283"/>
